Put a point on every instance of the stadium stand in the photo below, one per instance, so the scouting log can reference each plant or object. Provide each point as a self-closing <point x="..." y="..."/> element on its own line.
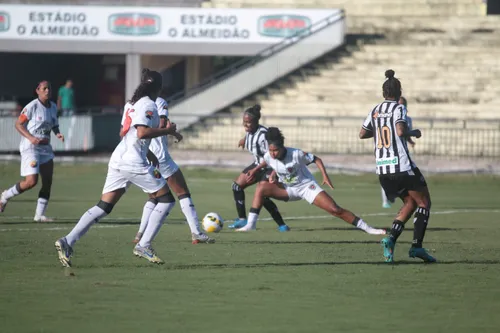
<point x="444" y="51"/>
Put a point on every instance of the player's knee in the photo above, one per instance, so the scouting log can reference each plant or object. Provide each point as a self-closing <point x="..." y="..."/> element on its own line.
<point x="236" y="187"/>
<point x="105" y="206"/>
<point x="30" y="182"/>
<point x="153" y="201"/>
<point x="166" y="198"/>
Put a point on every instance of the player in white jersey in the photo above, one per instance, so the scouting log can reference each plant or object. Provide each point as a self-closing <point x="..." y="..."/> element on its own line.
<point x="255" y="142"/>
<point x="37" y="120"/>
<point x="398" y="175"/>
<point x="170" y="171"/>
<point x="387" y="202"/>
<point x="295" y="183"/>
<point x="129" y="165"/>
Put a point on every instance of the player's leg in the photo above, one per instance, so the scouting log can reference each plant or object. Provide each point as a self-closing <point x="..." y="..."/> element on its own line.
<point x="271" y="207"/>
<point x="146" y="213"/>
<point x="385" y="201"/>
<point x="29" y="170"/>
<point x="263" y="190"/>
<point x="324" y="201"/>
<point x="239" y="185"/>
<point x="46" y="173"/>
<point x="419" y="192"/>
<point x="178" y="184"/>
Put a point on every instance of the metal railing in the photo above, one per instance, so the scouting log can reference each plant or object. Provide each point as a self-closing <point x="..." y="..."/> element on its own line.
<point x="251" y="61"/>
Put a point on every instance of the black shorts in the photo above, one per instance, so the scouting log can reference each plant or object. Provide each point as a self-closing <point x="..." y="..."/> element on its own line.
<point x="262" y="174"/>
<point x="398" y="184"/>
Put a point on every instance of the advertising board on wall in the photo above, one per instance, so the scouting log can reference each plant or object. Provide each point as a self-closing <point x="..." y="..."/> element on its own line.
<point x="154" y="24"/>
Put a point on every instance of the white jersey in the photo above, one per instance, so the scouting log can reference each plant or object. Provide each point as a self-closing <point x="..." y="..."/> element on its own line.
<point x="159" y="145"/>
<point x="391" y="151"/>
<point x="292" y="169"/>
<point x="41" y="120"/>
<point x="131" y="153"/>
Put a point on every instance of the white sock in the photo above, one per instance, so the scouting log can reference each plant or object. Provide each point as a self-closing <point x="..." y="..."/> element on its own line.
<point x="146" y="213"/>
<point x="384" y="197"/>
<point x="10" y="193"/>
<point x="362" y="225"/>
<point x="90" y="217"/>
<point x="156" y="219"/>
<point x="252" y="221"/>
<point x="41" y="206"/>
<point x="189" y="212"/>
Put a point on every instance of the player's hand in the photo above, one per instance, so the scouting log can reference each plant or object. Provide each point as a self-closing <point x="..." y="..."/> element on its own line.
<point x="251" y="175"/>
<point x="178" y="136"/>
<point x="327" y="181"/>
<point x="37" y="141"/>
<point x="273" y="179"/>
<point x="60" y="136"/>
<point x="153" y="160"/>
<point x="171" y="127"/>
<point x="418" y="134"/>
<point x="241" y="143"/>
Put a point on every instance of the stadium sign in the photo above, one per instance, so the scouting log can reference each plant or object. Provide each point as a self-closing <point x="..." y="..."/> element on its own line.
<point x="282" y="26"/>
<point x="4" y="21"/>
<point x="134" y="24"/>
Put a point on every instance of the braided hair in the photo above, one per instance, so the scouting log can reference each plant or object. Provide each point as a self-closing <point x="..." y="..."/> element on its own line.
<point x="254" y="112"/>
<point x="151" y="83"/>
<point x="392" y="86"/>
<point x="275" y="137"/>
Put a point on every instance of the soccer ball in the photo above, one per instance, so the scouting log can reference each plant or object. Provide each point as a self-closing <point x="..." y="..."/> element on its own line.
<point x="212" y="222"/>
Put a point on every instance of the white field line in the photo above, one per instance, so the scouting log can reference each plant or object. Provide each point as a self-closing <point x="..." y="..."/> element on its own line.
<point x="104" y="226"/>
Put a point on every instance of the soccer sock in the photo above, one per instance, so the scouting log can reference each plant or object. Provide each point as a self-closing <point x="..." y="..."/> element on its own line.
<point x="384" y="197"/>
<point x="396" y="230"/>
<point x="41" y="206"/>
<point x="253" y="216"/>
<point x="190" y="213"/>
<point x="360" y="224"/>
<point x="156" y="219"/>
<point x="420" y="225"/>
<point x="239" y="199"/>
<point x="90" y="217"/>
<point x="146" y="212"/>
<point x="11" y="192"/>
<point x="271" y="207"/>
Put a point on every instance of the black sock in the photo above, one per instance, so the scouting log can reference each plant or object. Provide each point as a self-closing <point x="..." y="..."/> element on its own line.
<point x="419" y="226"/>
<point x="396" y="230"/>
<point x="273" y="210"/>
<point x="239" y="199"/>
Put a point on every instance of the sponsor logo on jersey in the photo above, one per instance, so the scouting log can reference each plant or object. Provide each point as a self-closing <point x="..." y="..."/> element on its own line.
<point x="134" y="24"/>
<point x="382" y="115"/>
<point x="281" y="26"/>
<point x="289" y="169"/>
<point x="4" y="21"/>
<point x="387" y="161"/>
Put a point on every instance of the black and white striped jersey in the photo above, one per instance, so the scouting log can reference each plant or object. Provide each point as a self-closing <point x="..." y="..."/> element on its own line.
<point x="391" y="151"/>
<point x="256" y="143"/>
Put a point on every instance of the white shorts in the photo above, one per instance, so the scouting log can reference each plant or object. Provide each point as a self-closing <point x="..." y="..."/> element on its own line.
<point x="308" y="191"/>
<point x="168" y="168"/>
<point x="117" y="179"/>
<point x="32" y="159"/>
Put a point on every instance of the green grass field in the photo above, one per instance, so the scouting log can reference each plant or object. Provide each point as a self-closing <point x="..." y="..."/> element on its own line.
<point x="321" y="276"/>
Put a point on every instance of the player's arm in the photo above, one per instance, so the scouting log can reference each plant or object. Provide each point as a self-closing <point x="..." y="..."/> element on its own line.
<point x="403" y="131"/>
<point x="366" y="131"/>
<point x="58" y="133"/>
<point x="321" y="167"/>
<point x="252" y="172"/>
<point x="164" y="121"/>
<point x="21" y="128"/>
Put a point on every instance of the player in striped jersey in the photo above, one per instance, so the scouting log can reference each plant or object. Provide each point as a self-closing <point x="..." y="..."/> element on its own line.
<point x="386" y="202"/>
<point x="398" y="175"/>
<point x="256" y="143"/>
<point x="296" y="182"/>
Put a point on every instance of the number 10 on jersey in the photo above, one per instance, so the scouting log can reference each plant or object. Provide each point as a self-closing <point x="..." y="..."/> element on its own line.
<point x="384" y="137"/>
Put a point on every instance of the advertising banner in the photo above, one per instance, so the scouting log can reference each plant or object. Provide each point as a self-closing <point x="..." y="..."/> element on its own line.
<point x="154" y="24"/>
